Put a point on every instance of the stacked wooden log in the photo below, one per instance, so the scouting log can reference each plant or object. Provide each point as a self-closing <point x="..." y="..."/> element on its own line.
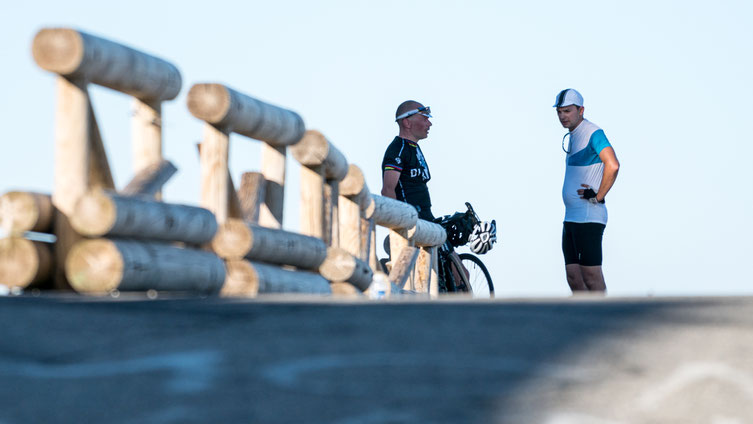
<point x="25" y="262"/>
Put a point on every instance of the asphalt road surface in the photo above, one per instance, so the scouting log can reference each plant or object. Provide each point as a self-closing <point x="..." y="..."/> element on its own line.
<point x="585" y="361"/>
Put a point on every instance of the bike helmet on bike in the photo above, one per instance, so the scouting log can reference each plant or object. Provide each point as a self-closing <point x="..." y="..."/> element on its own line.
<point x="482" y="238"/>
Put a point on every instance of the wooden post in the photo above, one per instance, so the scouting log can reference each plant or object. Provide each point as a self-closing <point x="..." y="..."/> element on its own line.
<point x="146" y="133"/>
<point x="312" y="201"/>
<point x="423" y="270"/>
<point x="99" y="213"/>
<point x="24" y="263"/>
<point x="252" y="194"/>
<point x="72" y="149"/>
<point x="273" y="170"/>
<point x="371" y="250"/>
<point x="402" y="267"/>
<point x="22" y="211"/>
<point x="237" y="239"/>
<point x="434" y="274"/>
<point x="99" y="266"/>
<point x="214" y="171"/>
<point x="100" y="175"/>
<point x="331" y="214"/>
<point x="350" y="227"/>
<point x="233" y="203"/>
<point x="353" y="194"/>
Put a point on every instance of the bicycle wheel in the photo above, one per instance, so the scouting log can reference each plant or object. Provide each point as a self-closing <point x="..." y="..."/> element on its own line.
<point x="479" y="279"/>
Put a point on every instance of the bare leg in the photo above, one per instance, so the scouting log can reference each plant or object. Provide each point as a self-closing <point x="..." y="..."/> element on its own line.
<point x="593" y="278"/>
<point x="575" y="277"/>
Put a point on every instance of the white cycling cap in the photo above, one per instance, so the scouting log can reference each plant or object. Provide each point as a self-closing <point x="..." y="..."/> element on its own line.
<point x="568" y="97"/>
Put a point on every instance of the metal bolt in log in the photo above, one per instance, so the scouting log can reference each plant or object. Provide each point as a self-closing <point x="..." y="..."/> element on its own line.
<point x="22" y="211"/>
<point x="237" y="239"/>
<point x="100" y="266"/>
<point x="23" y="262"/>
<point x="340" y="265"/>
<point x="101" y="213"/>
<point x="78" y="55"/>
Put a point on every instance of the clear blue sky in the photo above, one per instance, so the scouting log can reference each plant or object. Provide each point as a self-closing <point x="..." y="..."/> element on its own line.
<point x="670" y="83"/>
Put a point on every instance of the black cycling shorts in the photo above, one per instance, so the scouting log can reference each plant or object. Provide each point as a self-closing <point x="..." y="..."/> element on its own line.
<point x="581" y="243"/>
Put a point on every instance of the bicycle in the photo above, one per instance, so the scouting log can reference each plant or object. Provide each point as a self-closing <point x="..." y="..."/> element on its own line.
<point x="452" y="268"/>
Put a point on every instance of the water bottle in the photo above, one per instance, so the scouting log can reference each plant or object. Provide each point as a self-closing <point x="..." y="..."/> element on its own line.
<point x="380" y="286"/>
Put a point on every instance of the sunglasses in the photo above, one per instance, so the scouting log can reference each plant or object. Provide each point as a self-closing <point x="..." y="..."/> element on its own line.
<point x="425" y="111"/>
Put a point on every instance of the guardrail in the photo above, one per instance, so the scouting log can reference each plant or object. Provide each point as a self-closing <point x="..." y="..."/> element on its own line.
<point x="233" y="243"/>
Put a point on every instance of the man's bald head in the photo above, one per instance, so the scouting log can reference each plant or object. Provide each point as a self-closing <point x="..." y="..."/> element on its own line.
<point x="406" y="106"/>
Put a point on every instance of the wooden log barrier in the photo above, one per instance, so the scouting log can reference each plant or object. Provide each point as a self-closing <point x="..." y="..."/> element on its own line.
<point x="252" y="278"/>
<point x="340" y="266"/>
<point x="24" y="263"/>
<point x="78" y="55"/>
<point x="426" y="233"/>
<point x="224" y="107"/>
<point x="393" y="213"/>
<point x="237" y="239"/>
<point x="22" y="211"/>
<point x="99" y="266"/>
<point x="100" y="213"/>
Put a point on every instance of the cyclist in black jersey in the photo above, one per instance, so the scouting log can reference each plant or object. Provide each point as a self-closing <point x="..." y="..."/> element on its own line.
<point x="404" y="169"/>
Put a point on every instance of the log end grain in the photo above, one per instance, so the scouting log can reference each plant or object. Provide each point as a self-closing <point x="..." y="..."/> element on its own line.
<point x="94" y="266"/>
<point x="23" y="262"/>
<point x="94" y="214"/>
<point x="240" y="280"/>
<point x="59" y="50"/>
<point x="209" y="102"/>
<point x="233" y="240"/>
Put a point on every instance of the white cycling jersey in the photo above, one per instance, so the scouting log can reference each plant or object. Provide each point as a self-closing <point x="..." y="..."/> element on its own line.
<point x="584" y="167"/>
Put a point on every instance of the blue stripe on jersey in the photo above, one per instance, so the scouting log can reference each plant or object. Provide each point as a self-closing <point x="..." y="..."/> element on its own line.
<point x="590" y="154"/>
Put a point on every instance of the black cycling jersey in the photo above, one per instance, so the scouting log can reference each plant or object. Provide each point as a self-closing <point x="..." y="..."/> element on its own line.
<point x="405" y="156"/>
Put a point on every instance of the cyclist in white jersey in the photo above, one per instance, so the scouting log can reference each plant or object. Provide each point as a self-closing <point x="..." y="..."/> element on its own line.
<point x="591" y="170"/>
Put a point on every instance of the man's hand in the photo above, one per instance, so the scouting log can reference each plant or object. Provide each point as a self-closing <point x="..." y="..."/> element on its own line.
<point x="589" y="194"/>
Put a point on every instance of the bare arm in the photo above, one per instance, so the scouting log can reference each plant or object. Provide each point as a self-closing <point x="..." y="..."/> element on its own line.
<point x="389" y="182"/>
<point x="611" y="167"/>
